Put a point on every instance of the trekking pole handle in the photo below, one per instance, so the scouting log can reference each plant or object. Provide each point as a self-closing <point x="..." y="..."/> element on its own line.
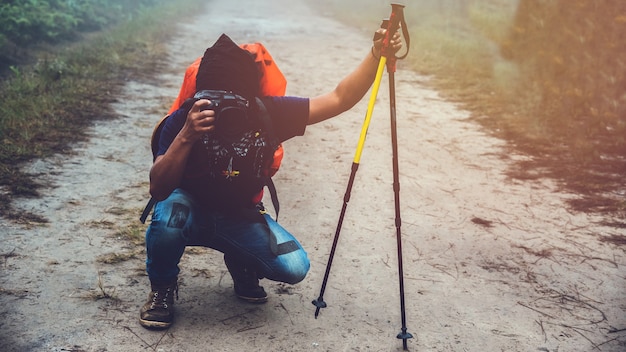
<point x="393" y="24"/>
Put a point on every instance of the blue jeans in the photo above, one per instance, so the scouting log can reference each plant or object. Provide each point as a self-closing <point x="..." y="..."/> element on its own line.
<point x="250" y="237"/>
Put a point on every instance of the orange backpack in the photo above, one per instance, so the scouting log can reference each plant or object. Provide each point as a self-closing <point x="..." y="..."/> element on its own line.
<point x="272" y="82"/>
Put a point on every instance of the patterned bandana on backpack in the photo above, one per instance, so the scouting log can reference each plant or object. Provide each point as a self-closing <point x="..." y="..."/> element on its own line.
<point x="228" y="168"/>
<point x="240" y="164"/>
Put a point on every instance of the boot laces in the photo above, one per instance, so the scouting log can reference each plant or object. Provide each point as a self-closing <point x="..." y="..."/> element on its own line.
<point x="161" y="297"/>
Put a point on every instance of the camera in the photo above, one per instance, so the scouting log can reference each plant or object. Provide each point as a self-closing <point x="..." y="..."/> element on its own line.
<point x="231" y="113"/>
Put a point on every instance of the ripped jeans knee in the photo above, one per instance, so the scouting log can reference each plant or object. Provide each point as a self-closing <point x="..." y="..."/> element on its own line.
<point x="166" y="237"/>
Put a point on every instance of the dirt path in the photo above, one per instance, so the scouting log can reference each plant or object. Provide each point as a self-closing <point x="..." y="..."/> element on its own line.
<point x="490" y="264"/>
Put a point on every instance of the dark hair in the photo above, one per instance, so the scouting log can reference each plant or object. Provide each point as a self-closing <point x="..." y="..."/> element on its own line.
<point x="226" y="66"/>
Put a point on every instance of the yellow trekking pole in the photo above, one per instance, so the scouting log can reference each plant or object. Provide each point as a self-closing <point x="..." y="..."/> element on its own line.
<point x="387" y="59"/>
<point x="319" y="302"/>
<point x="368" y="116"/>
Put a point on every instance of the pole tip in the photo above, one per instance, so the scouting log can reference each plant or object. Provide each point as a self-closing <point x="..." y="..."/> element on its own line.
<point x="319" y="303"/>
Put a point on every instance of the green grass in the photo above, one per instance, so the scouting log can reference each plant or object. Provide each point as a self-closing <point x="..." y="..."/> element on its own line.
<point x="46" y="106"/>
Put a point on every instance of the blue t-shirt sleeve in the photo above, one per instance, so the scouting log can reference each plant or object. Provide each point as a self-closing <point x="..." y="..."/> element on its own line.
<point x="170" y="129"/>
<point x="289" y="116"/>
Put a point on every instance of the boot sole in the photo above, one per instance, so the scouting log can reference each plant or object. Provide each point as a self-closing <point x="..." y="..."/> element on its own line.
<point x="256" y="300"/>
<point x="154" y="324"/>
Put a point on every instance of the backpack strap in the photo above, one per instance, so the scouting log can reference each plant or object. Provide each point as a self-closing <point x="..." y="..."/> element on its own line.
<point x="147" y="209"/>
<point x="274" y="143"/>
<point x="154" y="145"/>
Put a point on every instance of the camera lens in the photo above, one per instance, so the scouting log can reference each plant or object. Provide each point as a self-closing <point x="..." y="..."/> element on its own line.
<point x="231" y="123"/>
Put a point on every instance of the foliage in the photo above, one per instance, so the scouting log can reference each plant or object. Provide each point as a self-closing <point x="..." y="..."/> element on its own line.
<point x="572" y="51"/>
<point x="46" y="106"/>
<point x="25" y="23"/>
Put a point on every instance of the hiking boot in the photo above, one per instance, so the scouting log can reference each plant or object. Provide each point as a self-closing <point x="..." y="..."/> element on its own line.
<point x="246" y="282"/>
<point x="158" y="311"/>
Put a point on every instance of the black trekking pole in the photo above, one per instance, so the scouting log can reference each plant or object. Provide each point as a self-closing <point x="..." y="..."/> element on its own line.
<point x="392" y="25"/>
<point x="391" y="69"/>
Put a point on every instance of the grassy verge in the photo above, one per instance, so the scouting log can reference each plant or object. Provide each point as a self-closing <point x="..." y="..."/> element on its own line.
<point x="46" y="106"/>
<point x="462" y="45"/>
